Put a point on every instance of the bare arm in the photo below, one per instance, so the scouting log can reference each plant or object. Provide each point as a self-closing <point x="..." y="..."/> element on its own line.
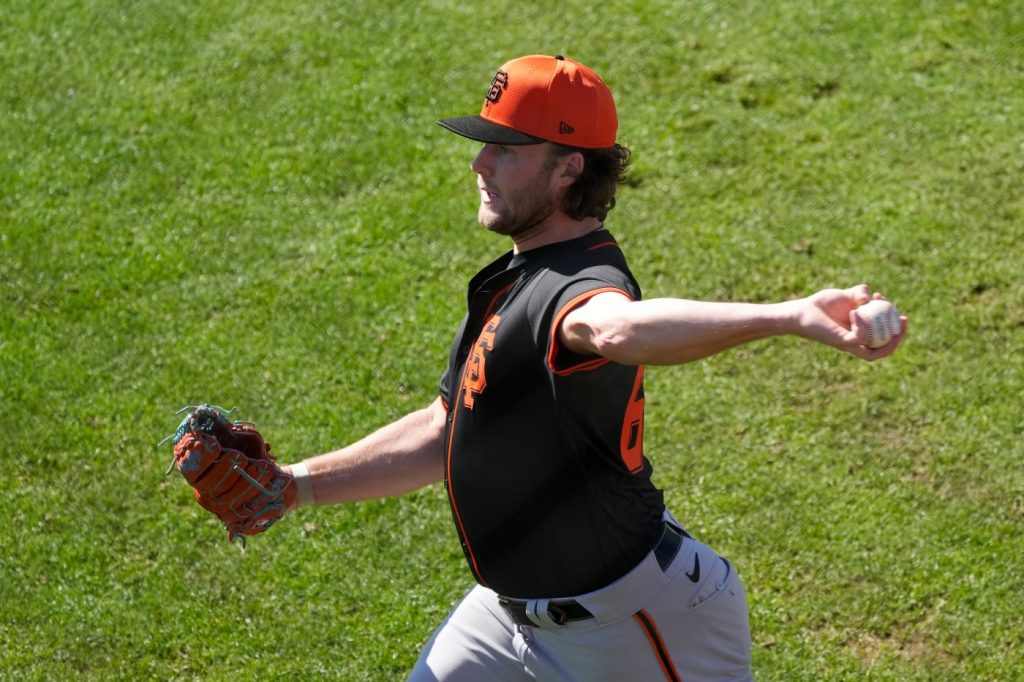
<point x="670" y="331"/>
<point x="401" y="457"/>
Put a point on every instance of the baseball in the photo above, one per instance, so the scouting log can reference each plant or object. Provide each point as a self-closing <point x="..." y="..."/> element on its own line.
<point x="882" y="321"/>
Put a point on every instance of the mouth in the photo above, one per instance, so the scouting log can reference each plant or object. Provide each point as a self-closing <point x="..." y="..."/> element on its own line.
<point x="486" y="194"/>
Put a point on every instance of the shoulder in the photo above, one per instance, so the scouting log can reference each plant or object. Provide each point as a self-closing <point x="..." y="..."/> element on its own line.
<point x="596" y="256"/>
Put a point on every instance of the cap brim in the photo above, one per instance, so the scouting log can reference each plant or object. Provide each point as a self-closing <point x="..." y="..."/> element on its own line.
<point x="482" y="130"/>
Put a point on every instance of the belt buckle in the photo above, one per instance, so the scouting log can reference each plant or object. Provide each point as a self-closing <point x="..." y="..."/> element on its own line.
<point x="557" y="614"/>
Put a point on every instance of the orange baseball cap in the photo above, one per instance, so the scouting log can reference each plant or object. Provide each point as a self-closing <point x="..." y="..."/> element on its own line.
<point x="543" y="99"/>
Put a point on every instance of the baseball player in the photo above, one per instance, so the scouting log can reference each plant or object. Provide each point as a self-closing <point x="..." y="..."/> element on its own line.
<point x="537" y="431"/>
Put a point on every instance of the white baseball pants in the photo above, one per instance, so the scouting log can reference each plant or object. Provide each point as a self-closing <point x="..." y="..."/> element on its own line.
<point x="683" y="623"/>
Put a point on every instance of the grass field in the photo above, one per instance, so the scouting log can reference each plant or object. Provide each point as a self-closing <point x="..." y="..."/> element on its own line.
<point x="249" y="203"/>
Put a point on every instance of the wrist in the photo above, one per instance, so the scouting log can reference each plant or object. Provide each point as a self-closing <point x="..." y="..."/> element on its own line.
<point x="303" y="484"/>
<point x="785" y="317"/>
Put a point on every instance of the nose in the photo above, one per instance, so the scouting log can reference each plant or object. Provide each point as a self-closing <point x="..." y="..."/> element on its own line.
<point x="483" y="163"/>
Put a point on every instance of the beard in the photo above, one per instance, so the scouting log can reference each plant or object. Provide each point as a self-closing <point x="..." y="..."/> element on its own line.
<point x="522" y="209"/>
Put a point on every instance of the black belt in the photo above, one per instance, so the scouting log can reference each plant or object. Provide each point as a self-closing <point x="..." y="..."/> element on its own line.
<point x="569" y="610"/>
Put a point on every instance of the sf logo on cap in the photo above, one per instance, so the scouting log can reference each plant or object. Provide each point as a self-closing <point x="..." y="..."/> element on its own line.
<point x="498" y="85"/>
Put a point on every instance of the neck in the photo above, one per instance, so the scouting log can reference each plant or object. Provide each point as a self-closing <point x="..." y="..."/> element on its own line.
<point x="558" y="228"/>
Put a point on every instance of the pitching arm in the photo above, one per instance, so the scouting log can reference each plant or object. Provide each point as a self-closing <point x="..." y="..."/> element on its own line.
<point x="399" y="458"/>
<point x="671" y="331"/>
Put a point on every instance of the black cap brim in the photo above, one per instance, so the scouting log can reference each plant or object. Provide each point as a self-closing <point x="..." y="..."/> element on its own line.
<point x="482" y="130"/>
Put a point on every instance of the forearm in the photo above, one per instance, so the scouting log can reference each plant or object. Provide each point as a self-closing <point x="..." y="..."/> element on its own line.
<point x="396" y="459"/>
<point x="670" y="331"/>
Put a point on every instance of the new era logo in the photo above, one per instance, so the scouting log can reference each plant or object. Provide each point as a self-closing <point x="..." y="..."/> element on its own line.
<point x="565" y="129"/>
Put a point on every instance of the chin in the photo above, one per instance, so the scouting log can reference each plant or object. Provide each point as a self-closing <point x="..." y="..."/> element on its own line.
<point x="491" y="220"/>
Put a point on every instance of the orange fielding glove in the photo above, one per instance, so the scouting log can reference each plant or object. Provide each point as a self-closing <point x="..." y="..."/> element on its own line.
<point x="229" y="466"/>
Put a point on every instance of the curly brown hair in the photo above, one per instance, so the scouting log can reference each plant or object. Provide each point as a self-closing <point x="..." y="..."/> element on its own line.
<point x="593" y="193"/>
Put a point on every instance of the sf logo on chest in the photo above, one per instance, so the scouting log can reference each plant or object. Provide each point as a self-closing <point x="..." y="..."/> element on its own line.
<point x="474" y="378"/>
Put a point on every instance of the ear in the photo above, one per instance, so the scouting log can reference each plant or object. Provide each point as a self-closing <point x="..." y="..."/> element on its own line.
<point x="572" y="168"/>
<point x="574" y="165"/>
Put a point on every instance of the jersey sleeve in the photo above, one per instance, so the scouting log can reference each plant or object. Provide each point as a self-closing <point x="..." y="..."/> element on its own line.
<point x="574" y="293"/>
<point x="444" y="387"/>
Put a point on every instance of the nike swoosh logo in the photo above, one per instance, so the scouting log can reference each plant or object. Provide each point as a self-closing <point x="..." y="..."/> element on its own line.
<point x="694" y="575"/>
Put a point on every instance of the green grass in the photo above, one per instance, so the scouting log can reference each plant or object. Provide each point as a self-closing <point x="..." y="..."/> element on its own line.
<point x="250" y="204"/>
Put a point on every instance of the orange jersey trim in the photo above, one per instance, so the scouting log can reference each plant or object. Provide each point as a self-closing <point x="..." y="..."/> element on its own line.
<point x="657" y="645"/>
<point x="554" y="345"/>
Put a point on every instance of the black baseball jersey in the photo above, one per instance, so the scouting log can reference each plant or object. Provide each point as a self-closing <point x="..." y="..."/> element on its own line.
<point x="548" y="484"/>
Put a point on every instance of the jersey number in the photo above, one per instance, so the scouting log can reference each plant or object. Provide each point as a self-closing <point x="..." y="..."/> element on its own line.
<point x="631" y="443"/>
<point x="475" y="378"/>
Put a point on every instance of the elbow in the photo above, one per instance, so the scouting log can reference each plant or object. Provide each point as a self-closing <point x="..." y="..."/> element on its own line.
<point x="616" y="344"/>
